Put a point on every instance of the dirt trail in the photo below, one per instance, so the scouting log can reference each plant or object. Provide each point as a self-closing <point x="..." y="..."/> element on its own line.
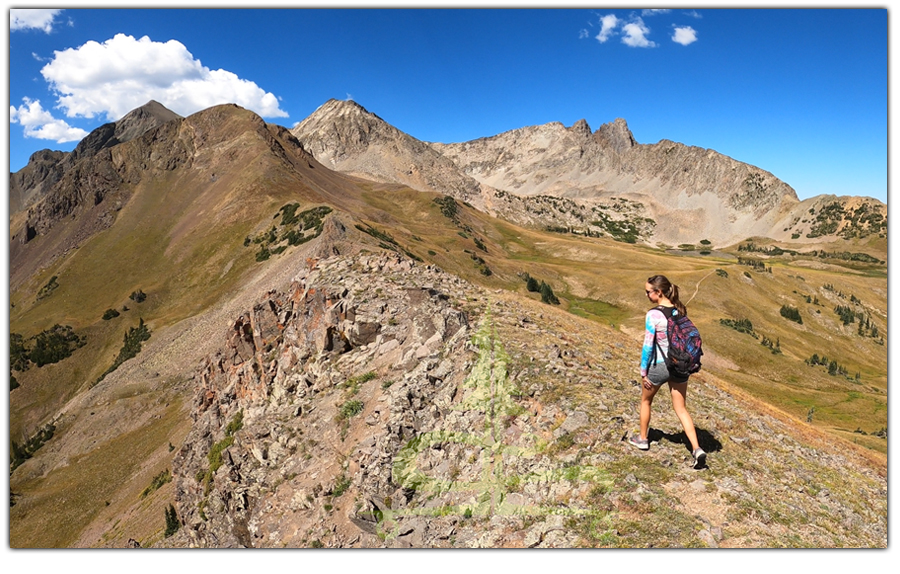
<point x="697" y="289"/>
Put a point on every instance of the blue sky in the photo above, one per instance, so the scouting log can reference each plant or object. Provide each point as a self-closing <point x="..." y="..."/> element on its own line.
<point x="801" y="93"/>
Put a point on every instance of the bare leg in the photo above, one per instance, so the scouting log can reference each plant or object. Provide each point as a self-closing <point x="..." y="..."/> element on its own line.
<point x="679" y="398"/>
<point x="646" y="402"/>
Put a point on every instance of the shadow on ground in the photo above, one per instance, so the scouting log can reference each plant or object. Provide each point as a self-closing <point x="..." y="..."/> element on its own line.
<point x="708" y="442"/>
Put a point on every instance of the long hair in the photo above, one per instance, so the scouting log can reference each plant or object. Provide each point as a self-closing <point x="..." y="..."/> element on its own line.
<point x="670" y="290"/>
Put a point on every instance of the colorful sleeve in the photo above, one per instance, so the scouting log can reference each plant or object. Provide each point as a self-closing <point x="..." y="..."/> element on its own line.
<point x="652" y="323"/>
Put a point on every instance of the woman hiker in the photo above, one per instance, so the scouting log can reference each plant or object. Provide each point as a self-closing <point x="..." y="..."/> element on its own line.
<point x="664" y="295"/>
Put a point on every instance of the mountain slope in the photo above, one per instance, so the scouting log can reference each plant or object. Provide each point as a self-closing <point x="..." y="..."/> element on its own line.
<point x="275" y="286"/>
<point x="346" y="137"/>
<point x="571" y="179"/>
<point x="45" y="168"/>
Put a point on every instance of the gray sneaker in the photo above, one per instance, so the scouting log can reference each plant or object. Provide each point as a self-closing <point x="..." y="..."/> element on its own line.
<point x="641" y="443"/>
<point x="699" y="458"/>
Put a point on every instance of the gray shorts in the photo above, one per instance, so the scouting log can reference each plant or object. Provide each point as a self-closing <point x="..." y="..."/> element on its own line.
<point x="659" y="374"/>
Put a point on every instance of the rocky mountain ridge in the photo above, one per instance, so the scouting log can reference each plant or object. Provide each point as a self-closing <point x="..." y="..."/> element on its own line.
<point x="433" y="416"/>
<point x="45" y="168"/>
<point x="555" y="177"/>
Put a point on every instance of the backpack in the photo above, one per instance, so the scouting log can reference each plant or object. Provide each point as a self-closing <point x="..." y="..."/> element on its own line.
<point x="683" y="358"/>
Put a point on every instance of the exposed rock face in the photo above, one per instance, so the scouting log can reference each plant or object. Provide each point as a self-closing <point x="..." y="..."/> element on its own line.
<point x="688" y="192"/>
<point x="46" y="168"/>
<point x="346" y="137"/>
<point x="570" y="179"/>
<point x="618" y="135"/>
<point x="287" y="368"/>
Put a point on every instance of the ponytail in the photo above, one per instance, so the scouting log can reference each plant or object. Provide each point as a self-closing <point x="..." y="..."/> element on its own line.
<point x="670" y="290"/>
<point x="673" y="297"/>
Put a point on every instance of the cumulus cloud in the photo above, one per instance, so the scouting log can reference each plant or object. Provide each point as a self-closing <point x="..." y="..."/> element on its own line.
<point x="40" y="124"/>
<point x="636" y="34"/>
<point x="684" y="35"/>
<point x="608" y="25"/>
<point x="123" y="73"/>
<point x="32" y="18"/>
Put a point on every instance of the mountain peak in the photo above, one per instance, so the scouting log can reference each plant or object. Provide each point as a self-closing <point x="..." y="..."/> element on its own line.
<point x="130" y="126"/>
<point x="139" y="120"/>
<point x="352" y="125"/>
<point x="342" y="108"/>
<point x="617" y="134"/>
<point x="581" y="127"/>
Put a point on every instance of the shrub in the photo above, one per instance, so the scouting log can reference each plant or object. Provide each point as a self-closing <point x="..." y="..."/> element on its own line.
<point x="18" y="353"/>
<point x="158" y="481"/>
<point x="138" y="296"/>
<point x="110" y="314"/>
<point x="739" y="325"/>
<point x="130" y="347"/>
<point x="172" y="522"/>
<point x="20" y="453"/>
<point x="54" y="345"/>
<point x="448" y="206"/>
<point x="341" y="485"/>
<point x="47" y="289"/>
<point x="547" y="295"/>
<point x="791" y="313"/>
<point x="351" y="409"/>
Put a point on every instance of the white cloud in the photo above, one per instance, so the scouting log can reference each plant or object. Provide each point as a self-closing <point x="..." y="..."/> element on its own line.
<point x="684" y="35"/>
<point x="27" y="18"/>
<point x="693" y="14"/>
<point x="655" y="11"/>
<point x="608" y="25"/>
<point x="582" y="34"/>
<point x="40" y="124"/>
<point x="636" y="34"/>
<point x="123" y="73"/>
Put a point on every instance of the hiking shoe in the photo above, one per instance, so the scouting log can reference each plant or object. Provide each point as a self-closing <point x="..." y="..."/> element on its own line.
<point x="699" y="458"/>
<point x="641" y="443"/>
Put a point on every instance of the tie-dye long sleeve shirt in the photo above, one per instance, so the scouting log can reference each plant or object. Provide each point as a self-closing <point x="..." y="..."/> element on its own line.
<point x="654" y="327"/>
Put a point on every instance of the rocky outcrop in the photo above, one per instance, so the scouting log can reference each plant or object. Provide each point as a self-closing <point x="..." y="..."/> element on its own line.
<point x="379" y="403"/>
<point x="294" y="367"/>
